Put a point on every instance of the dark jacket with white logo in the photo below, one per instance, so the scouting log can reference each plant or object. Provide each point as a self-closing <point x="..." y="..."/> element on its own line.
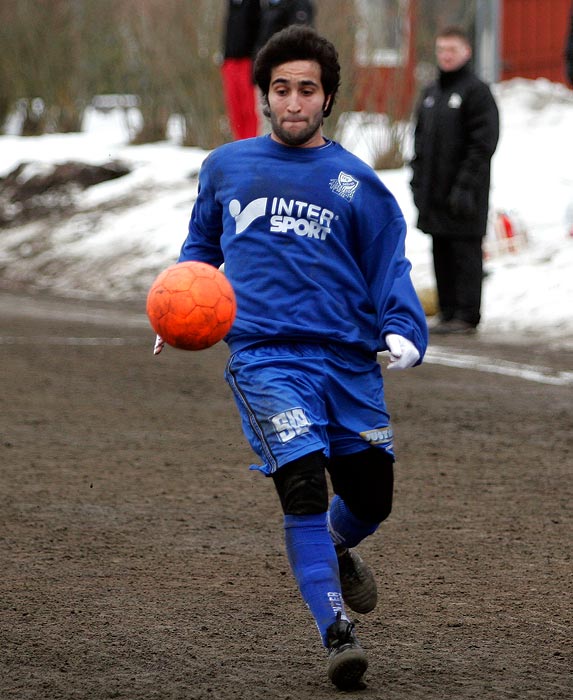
<point x="457" y="130"/>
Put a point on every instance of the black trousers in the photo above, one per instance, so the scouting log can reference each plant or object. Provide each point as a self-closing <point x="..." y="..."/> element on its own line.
<point x="458" y="267"/>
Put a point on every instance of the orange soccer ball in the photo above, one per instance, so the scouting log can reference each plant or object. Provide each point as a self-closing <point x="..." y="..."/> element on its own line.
<point x="191" y="305"/>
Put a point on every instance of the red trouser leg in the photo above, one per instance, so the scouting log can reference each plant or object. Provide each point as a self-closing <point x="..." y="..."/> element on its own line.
<point x="240" y="97"/>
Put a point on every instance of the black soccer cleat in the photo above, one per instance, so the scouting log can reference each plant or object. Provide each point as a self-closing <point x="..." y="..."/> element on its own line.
<point x="347" y="661"/>
<point x="357" y="582"/>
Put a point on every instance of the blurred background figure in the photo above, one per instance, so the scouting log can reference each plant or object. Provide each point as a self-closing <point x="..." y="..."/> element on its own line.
<point x="569" y="50"/>
<point x="278" y="14"/>
<point x="240" y="39"/>
<point x="457" y="129"/>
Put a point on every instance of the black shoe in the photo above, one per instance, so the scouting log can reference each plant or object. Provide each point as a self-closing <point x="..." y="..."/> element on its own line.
<point x="454" y="327"/>
<point x="347" y="661"/>
<point x="357" y="582"/>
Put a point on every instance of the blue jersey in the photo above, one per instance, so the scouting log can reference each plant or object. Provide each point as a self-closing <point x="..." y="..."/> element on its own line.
<point x="313" y="245"/>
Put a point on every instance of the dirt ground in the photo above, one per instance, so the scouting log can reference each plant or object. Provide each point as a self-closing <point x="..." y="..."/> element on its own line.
<point x="140" y="558"/>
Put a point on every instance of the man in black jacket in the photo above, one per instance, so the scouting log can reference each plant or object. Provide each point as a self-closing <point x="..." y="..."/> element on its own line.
<point x="457" y="130"/>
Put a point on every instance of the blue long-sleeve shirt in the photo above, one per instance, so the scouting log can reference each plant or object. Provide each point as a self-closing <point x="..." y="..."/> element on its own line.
<point x="313" y="245"/>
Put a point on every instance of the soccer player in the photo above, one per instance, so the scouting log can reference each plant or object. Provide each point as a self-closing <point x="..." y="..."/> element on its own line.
<point x="313" y="244"/>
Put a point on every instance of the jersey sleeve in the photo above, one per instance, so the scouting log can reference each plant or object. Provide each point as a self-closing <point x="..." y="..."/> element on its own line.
<point x="387" y="270"/>
<point x="203" y="240"/>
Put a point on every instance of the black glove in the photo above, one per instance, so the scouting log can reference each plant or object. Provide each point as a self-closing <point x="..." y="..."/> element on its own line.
<point x="461" y="203"/>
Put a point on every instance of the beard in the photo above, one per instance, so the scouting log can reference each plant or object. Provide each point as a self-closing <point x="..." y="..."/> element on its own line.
<point x="299" y="137"/>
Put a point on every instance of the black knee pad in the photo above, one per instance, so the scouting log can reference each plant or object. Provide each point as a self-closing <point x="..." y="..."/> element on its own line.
<point x="302" y="486"/>
<point x="365" y="482"/>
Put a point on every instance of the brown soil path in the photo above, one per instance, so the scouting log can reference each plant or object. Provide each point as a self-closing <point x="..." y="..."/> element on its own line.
<point x="141" y="559"/>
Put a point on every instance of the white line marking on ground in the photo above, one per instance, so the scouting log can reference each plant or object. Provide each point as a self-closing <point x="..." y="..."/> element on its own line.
<point x="532" y="373"/>
<point x="434" y="355"/>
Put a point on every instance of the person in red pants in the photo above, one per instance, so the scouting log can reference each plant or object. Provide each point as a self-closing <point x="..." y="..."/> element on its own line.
<point x="241" y="30"/>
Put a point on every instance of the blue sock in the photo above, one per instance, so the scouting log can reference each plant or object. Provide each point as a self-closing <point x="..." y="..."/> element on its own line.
<point x="346" y="529"/>
<point x="314" y="564"/>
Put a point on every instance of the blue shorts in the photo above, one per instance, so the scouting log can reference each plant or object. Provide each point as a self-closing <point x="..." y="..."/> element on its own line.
<point x="297" y="398"/>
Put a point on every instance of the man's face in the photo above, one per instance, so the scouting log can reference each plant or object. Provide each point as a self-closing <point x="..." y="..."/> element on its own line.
<point x="452" y="53"/>
<point x="296" y="103"/>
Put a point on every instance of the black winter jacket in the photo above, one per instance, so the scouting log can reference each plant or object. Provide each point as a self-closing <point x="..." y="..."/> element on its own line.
<point x="279" y="14"/>
<point x="457" y="130"/>
<point x="241" y="28"/>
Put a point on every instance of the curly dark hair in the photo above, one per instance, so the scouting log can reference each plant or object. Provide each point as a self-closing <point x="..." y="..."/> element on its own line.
<point x="298" y="43"/>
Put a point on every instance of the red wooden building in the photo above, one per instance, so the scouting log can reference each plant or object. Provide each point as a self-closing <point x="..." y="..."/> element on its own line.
<point x="385" y="56"/>
<point x="533" y="34"/>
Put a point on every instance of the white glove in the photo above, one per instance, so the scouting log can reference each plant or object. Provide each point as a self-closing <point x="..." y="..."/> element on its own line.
<point x="403" y="353"/>
<point x="159" y="343"/>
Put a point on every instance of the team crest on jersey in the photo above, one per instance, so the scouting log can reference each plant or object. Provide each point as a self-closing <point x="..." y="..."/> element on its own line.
<point x="379" y="436"/>
<point x="345" y="185"/>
